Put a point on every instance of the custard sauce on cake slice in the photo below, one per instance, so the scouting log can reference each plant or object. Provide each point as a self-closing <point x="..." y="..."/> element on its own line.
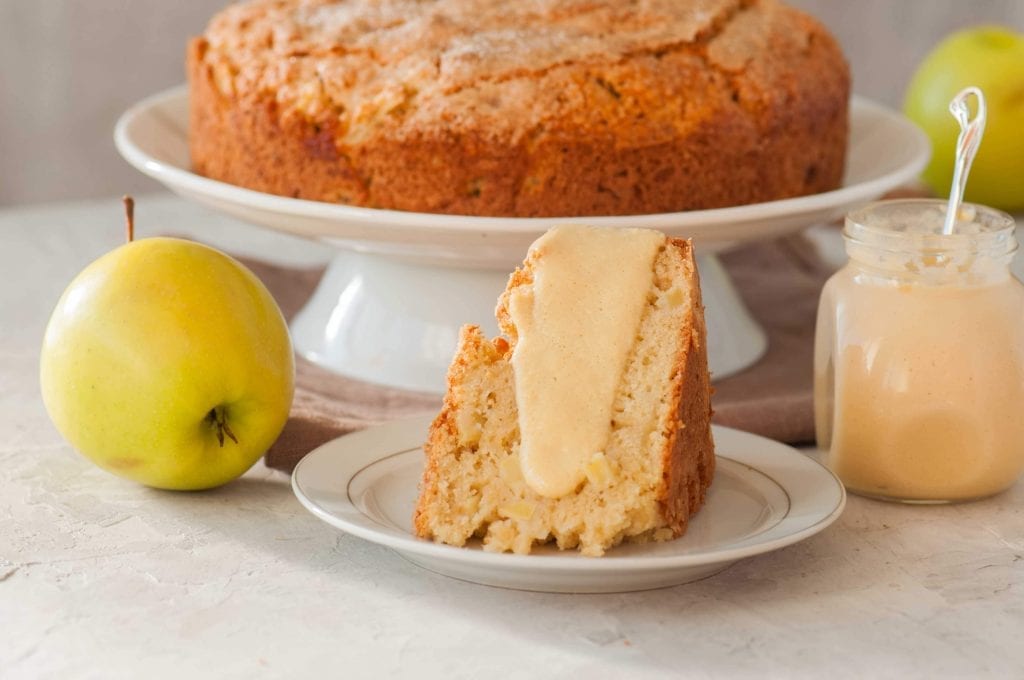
<point x="575" y="326"/>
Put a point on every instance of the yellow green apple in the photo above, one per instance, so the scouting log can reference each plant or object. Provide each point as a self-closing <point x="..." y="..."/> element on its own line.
<point x="992" y="58"/>
<point x="169" y="363"/>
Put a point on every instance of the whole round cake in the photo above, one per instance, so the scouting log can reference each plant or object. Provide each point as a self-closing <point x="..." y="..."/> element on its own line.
<point x="524" y="108"/>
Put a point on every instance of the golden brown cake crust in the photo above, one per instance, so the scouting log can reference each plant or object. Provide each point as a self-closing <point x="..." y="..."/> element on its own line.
<point x="536" y="108"/>
<point x="689" y="456"/>
<point x="473" y="346"/>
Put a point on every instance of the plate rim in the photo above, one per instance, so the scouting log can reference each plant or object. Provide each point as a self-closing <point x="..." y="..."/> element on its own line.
<point x="408" y="543"/>
<point x="177" y="177"/>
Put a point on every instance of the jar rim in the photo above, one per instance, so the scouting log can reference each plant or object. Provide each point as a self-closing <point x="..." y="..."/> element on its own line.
<point x="878" y="226"/>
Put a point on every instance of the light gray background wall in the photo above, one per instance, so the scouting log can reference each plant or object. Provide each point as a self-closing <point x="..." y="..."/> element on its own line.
<point x="69" y="67"/>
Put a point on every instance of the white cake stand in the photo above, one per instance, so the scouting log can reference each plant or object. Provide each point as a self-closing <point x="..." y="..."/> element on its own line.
<point x="390" y="305"/>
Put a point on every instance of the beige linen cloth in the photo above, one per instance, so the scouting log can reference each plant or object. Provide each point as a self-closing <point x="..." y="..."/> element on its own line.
<point x="779" y="280"/>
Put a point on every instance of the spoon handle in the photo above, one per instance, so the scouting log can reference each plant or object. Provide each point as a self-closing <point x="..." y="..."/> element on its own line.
<point x="967" y="145"/>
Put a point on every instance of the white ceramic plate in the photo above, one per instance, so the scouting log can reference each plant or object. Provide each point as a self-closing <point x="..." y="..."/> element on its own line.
<point x="765" y="496"/>
<point x="885" y="151"/>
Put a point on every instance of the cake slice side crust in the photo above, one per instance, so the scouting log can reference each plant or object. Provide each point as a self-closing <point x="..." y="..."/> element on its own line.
<point x="689" y="457"/>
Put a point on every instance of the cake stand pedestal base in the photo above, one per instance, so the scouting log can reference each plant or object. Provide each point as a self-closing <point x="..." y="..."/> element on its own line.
<point x="396" y="323"/>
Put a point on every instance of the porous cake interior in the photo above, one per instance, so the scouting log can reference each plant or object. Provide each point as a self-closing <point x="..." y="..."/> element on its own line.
<point x="473" y="484"/>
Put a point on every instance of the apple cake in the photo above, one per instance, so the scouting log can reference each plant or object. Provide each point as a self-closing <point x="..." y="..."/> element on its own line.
<point x="588" y="423"/>
<point x="540" y="108"/>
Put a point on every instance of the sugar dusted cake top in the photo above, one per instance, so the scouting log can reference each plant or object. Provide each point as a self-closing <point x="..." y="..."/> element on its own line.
<point x="462" y="59"/>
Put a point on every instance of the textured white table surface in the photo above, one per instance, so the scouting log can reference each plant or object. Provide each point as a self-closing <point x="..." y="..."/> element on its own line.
<point x="101" y="578"/>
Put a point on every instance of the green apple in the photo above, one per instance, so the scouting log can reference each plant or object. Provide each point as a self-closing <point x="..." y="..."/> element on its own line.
<point x="991" y="58"/>
<point x="169" y="363"/>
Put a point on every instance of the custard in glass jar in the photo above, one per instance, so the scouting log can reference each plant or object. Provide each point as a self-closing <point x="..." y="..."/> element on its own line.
<point x="919" y="357"/>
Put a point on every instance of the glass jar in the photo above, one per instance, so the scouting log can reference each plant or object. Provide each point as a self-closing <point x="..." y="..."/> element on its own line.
<point x="919" y="355"/>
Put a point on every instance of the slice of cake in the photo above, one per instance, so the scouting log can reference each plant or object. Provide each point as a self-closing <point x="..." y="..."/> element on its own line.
<point x="589" y="423"/>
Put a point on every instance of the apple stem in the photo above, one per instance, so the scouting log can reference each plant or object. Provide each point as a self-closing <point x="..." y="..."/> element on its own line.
<point x="129" y="217"/>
